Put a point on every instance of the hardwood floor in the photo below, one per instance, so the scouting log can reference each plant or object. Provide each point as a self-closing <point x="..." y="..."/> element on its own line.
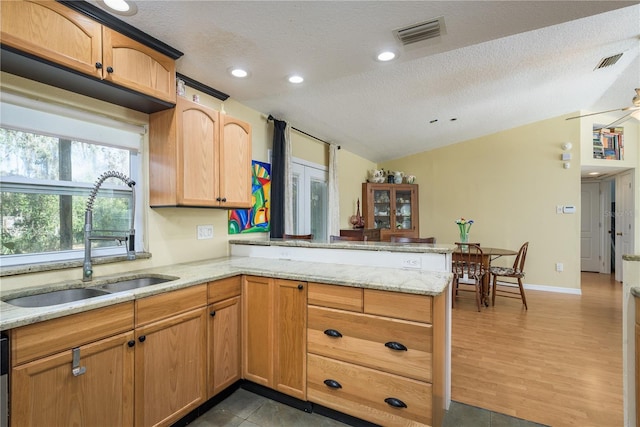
<point x="559" y="363"/>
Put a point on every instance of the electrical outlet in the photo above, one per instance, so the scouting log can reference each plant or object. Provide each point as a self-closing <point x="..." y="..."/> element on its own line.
<point x="411" y="262"/>
<point x="205" y="232"/>
<point x="559" y="266"/>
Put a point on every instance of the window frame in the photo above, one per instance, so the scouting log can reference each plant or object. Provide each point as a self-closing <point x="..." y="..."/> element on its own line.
<point x="104" y="128"/>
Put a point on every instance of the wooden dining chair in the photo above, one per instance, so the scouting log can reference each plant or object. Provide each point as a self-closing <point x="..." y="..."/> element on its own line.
<point x="362" y="238"/>
<point x="509" y="279"/>
<point x="468" y="265"/>
<point x="297" y="236"/>
<point x="402" y="239"/>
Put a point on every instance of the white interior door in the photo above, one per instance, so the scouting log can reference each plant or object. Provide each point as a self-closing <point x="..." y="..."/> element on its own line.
<point x="590" y="226"/>
<point x="624" y="219"/>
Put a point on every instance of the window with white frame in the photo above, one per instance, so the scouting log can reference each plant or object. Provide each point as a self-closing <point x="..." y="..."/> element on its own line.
<point x="50" y="158"/>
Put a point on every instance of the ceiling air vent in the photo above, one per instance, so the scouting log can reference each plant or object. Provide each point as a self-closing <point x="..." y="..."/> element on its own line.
<point x="609" y="61"/>
<point x="421" y="31"/>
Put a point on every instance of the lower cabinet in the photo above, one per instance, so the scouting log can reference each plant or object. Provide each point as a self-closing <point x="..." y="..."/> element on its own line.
<point x="274" y="334"/>
<point x="61" y="369"/>
<point x="170" y="358"/>
<point x="376" y="355"/>
<point x="224" y="334"/>
<point x="98" y="392"/>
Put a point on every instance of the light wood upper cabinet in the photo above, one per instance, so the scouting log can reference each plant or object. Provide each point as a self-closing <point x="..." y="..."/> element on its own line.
<point x="194" y="161"/>
<point x="235" y="162"/>
<point x="52" y="31"/>
<point x="136" y="66"/>
<point x="56" y="33"/>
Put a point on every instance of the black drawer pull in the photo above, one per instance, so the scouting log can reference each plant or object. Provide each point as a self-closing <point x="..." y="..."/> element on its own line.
<point x="332" y="384"/>
<point x="396" y="403"/>
<point x="333" y="333"/>
<point x="301" y="287"/>
<point x="395" y="346"/>
<point x="131" y="343"/>
<point x="142" y="338"/>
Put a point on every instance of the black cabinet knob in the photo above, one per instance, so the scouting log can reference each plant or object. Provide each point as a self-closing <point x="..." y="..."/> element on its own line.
<point x="395" y="346"/>
<point x="213" y="313"/>
<point x="332" y="383"/>
<point x="99" y="65"/>
<point x="224" y="199"/>
<point x="396" y="403"/>
<point x="333" y="333"/>
<point x="131" y="343"/>
<point x="218" y="199"/>
<point x="141" y="338"/>
<point x="301" y="287"/>
<point x="109" y="69"/>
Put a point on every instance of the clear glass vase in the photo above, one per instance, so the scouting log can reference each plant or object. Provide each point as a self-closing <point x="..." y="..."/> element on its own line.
<point x="464" y="238"/>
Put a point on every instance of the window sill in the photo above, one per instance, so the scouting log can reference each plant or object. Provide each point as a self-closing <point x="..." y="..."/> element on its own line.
<point x="15" y="270"/>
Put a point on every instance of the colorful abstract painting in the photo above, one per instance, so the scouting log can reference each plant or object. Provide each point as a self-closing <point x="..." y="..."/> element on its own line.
<point x="256" y="219"/>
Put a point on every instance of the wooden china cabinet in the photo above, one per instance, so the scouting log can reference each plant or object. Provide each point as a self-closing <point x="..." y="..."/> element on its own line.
<point x="391" y="208"/>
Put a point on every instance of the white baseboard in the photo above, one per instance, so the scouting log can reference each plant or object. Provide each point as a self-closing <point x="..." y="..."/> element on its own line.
<point x="547" y="288"/>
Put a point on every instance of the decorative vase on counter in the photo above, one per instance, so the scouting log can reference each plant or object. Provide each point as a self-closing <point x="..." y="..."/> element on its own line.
<point x="464" y="238"/>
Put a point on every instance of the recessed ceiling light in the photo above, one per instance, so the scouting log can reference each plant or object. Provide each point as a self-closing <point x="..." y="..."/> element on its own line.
<point x="594" y="173"/>
<point x="120" y="7"/>
<point x="295" y="79"/>
<point x="238" y="72"/>
<point x="386" y="56"/>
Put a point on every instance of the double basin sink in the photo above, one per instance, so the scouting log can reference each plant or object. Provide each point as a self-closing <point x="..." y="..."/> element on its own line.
<point x="69" y="295"/>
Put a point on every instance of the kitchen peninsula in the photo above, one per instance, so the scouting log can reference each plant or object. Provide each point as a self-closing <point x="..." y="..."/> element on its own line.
<point x="386" y="323"/>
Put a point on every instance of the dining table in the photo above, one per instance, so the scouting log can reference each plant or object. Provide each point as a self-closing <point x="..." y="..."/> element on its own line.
<point x="488" y="255"/>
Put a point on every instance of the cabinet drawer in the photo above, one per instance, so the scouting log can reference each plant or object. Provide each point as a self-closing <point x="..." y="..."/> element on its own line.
<point x="224" y="289"/>
<point x="52" y="336"/>
<point x="160" y="306"/>
<point x="364" y="341"/>
<point x="334" y="296"/>
<point x="363" y="391"/>
<point x="401" y="306"/>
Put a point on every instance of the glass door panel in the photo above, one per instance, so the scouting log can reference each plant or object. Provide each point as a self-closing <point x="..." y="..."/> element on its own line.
<point x="403" y="220"/>
<point x="382" y="209"/>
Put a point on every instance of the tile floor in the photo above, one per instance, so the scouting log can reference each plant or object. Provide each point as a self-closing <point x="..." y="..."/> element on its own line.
<point x="246" y="409"/>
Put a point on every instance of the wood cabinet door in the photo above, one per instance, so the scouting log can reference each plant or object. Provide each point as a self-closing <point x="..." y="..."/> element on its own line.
<point x="235" y="162"/>
<point x="257" y="330"/>
<point x="224" y="366"/>
<point x="197" y="154"/>
<point x="131" y="64"/>
<point x="290" y="330"/>
<point x="52" y="31"/>
<point x="170" y="368"/>
<point x="45" y="392"/>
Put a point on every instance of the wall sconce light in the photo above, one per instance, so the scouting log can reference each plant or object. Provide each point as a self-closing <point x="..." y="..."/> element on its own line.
<point x="566" y="156"/>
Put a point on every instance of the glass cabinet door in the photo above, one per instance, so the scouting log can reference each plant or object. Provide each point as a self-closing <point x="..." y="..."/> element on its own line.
<point x="382" y="209"/>
<point x="403" y="220"/>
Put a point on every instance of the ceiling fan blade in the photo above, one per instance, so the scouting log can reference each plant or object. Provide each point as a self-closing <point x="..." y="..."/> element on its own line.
<point x="619" y="121"/>
<point x="599" y="112"/>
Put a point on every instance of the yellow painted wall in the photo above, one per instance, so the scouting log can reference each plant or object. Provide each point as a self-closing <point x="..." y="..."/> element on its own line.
<point x="509" y="183"/>
<point x="352" y="172"/>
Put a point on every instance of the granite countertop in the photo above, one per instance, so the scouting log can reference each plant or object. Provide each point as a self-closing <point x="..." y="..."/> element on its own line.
<point x="438" y="248"/>
<point x="393" y="279"/>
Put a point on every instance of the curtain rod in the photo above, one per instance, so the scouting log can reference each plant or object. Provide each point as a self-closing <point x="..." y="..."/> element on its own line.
<point x="270" y="118"/>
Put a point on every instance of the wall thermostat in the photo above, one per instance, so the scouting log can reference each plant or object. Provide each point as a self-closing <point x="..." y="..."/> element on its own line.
<point x="569" y="209"/>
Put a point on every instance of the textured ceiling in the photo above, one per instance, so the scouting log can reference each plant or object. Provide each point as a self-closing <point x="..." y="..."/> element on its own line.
<point x="497" y="66"/>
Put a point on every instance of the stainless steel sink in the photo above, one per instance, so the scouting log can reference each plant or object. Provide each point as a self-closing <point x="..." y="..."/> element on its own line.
<point x="56" y="297"/>
<point x="135" y="283"/>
